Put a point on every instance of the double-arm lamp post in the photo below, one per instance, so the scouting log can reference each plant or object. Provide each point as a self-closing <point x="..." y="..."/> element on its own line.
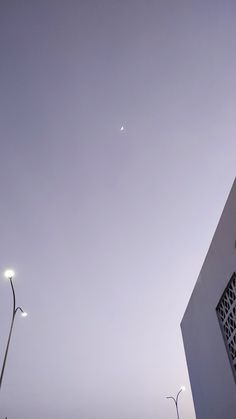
<point x="9" y="274"/>
<point x="176" y="399"/>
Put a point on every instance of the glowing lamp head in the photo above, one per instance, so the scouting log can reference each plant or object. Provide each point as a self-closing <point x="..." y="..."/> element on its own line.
<point x="183" y="388"/>
<point x="9" y="273"/>
<point x="24" y="314"/>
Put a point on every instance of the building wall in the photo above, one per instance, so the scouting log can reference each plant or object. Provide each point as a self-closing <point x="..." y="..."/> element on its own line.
<point x="211" y="376"/>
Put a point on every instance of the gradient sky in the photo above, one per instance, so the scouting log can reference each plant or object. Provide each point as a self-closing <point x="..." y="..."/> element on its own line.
<point x="107" y="230"/>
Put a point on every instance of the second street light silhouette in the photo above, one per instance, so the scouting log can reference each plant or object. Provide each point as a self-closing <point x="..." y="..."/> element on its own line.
<point x="176" y="399"/>
<point x="9" y="274"/>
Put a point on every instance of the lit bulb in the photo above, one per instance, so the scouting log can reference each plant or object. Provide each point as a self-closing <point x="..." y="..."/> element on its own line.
<point x="9" y="273"/>
<point x="183" y="388"/>
<point x="24" y="314"/>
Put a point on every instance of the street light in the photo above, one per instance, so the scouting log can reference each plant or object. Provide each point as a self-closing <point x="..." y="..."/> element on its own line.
<point x="175" y="399"/>
<point x="9" y="274"/>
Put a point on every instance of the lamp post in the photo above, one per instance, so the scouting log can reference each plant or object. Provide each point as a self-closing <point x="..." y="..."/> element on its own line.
<point x="9" y="274"/>
<point x="175" y="400"/>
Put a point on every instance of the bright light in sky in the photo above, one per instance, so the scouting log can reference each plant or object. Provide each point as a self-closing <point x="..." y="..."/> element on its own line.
<point x="122" y="128"/>
<point x="9" y="273"/>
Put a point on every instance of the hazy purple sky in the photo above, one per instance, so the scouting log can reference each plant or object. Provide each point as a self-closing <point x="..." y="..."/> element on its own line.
<point x="107" y="230"/>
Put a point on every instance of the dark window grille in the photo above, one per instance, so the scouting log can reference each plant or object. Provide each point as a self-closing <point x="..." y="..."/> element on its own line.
<point x="226" y="311"/>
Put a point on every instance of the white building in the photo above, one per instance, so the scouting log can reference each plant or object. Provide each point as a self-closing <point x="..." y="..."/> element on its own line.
<point x="209" y="324"/>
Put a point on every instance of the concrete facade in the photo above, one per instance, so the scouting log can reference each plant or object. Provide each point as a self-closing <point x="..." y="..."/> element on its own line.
<point x="210" y="364"/>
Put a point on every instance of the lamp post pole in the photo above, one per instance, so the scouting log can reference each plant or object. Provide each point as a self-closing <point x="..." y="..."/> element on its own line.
<point x="176" y="399"/>
<point x="9" y="275"/>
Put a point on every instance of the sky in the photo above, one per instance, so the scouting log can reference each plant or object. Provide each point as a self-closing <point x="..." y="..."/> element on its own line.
<point x="106" y="229"/>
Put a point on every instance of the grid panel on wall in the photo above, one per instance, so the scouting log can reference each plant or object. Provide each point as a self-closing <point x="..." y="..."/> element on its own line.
<point x="226" y="311"/>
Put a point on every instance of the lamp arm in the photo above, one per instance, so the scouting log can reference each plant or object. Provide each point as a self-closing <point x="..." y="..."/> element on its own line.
<point x="178" y="395"/>
<point x="170" y="397"/>
<point x="19" y="308"/>
<point x="14" y="296"/>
